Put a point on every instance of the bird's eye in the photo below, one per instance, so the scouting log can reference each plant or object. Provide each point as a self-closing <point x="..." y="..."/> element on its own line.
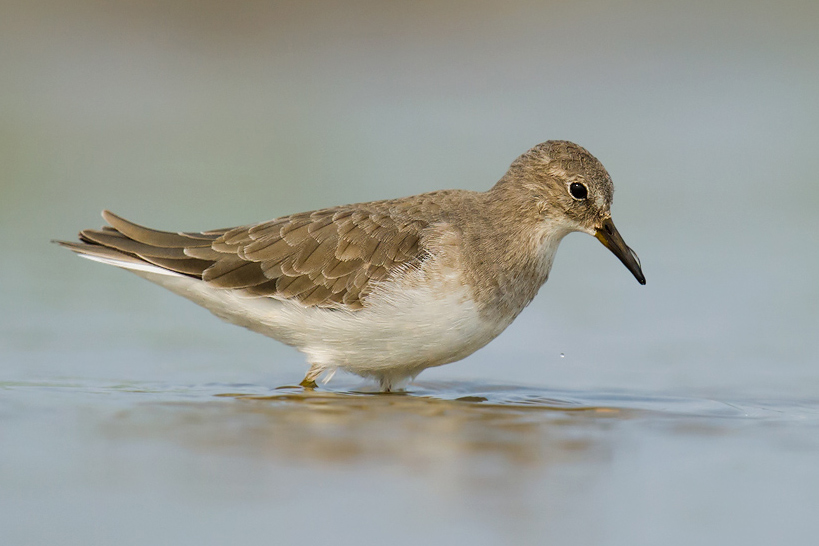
<point x="578" y="190"/>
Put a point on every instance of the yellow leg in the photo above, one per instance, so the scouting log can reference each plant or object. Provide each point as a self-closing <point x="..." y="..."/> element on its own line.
<point x="309" y="381"/>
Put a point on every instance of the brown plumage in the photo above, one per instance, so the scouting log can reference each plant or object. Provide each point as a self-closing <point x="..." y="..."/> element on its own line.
<point x="327" y="258"/>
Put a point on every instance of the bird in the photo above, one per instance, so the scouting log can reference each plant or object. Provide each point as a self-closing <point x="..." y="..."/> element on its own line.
<point x="383" y="289"/>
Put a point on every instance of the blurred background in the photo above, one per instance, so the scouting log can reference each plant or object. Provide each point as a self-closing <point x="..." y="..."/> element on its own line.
<point x="188" y="115"/>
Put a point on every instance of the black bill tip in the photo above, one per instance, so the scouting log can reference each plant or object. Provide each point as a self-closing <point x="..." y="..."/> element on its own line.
<point x="611" y="239"/>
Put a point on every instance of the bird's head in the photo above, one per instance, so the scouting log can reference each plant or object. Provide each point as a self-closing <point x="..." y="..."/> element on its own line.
<point x="562" y="184"/>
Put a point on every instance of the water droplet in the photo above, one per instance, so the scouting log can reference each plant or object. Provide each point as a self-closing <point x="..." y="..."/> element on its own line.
<point x="562" y="355"/>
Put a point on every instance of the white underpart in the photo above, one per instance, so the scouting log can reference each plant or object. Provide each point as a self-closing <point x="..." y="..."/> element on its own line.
<point x="408" y="324"/>
<point x="415" y="320"/>
<point x="132" y="265"/>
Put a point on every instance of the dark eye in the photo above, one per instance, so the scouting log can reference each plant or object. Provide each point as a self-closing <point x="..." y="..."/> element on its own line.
<point x="578" y="190"/>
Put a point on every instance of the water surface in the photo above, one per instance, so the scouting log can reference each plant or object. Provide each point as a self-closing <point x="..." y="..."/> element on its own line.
<point x="677" y="413"/>
<point x="141" y="462"/>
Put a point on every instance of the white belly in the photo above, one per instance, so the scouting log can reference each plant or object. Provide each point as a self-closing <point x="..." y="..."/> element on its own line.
<point x="405" y="327"/>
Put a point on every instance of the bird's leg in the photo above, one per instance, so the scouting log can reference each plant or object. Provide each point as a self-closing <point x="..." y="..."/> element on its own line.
<point x="309" y="381"/>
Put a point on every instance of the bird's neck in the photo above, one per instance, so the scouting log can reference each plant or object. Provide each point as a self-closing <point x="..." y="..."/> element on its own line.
<point x="512" y="252"/>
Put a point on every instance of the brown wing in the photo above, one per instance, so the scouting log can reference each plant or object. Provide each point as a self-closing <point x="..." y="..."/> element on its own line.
<point x="326" y="258"/>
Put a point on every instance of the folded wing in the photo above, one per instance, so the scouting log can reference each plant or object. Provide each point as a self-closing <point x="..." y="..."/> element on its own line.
<point x="327" y="258"/>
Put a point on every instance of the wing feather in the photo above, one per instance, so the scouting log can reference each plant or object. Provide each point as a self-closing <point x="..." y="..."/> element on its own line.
<point x="327" y="258"/>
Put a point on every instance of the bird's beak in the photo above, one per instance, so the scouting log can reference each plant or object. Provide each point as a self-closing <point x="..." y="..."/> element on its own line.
<point x="611" y="239"/>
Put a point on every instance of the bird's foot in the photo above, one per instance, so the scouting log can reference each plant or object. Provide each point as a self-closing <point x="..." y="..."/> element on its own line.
<point x="309" y="381"/>
<point x="308" y="384"/>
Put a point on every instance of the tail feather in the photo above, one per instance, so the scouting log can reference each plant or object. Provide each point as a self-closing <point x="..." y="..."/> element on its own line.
<point x="113" y="257"/>
<point x="155" y="237"/>
<point x="125" y="244"/>
<point x="131" y="246"/>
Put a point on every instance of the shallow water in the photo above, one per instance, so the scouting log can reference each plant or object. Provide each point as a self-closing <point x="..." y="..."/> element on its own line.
<point x="137" y="462"/>
<point x="682" y="412"/>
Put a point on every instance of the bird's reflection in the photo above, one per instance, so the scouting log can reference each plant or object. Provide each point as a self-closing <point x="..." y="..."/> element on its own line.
<point x="415" y="430"/>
